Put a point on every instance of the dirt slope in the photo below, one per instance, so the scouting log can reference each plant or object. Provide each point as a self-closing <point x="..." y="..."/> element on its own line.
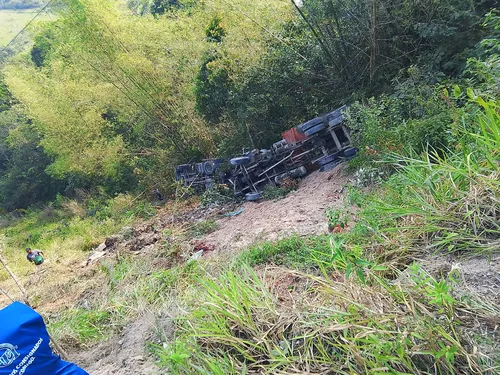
<point x="124" y="355"/>
<point x="301" y="212"/>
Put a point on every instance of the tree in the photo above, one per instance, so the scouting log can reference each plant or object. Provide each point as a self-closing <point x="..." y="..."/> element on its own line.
<point x="23" y="180"/>
<point x="159" y="7"/>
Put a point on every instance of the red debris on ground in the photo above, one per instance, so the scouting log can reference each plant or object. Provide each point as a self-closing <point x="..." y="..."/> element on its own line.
<point x="202" y="245"/>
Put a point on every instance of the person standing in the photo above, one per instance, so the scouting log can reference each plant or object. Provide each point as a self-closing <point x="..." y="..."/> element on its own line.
<point x="34" y="256"/>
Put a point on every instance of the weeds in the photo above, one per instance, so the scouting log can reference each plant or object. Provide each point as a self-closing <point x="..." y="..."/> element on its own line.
<point x="341" y="259"/>
<point x="218" y="194"/>
<point x="275" y="192"/>
<point x="203" y="227"/>
<point x="83" y="327"/>
<point x="331" y="328"/>
<point x="439" y="202"/>
<point x="294" y="252"/>
<point x="337" y="219"/>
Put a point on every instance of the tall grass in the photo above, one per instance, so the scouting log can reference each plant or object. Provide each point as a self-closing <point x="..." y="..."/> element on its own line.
<point x="238" y="326"/>
<point x="450" y="202"/>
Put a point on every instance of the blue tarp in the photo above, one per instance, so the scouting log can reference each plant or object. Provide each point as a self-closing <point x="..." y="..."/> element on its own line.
<point x="24" y="345"/>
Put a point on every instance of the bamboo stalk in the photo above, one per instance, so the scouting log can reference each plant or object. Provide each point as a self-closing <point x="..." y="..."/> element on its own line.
<point x="59" y="349"/>
<point x="14" y="277"/>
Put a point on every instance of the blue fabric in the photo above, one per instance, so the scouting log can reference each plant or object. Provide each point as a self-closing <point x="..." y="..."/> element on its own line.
<point x="24" y="345"/>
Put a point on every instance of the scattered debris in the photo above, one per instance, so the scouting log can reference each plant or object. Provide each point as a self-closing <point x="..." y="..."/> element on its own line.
<point x="97" y="253"/>
<point x="101" y="247"/>
<point x="202" y="245"/>
<point x="234" y="213"/>
<point x="196" y="255"/>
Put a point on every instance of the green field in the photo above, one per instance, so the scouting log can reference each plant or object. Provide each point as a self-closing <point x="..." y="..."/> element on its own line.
<point x="11" y="22"/>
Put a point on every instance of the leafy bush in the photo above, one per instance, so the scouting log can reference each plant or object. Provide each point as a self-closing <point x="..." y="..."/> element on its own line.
<point x="218" y="194"/>
<point x="337" y="218"/>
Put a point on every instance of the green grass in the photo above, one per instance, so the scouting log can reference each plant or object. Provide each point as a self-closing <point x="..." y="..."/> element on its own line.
<point x="65" y="231"/>
<point x="449" y="202"/>
<point x="294" y="252"/>
<point x="84" y="327"/>
<point x="11" y="22"/>
<point x="203" y="227"/>
<point x="241" y="327"/>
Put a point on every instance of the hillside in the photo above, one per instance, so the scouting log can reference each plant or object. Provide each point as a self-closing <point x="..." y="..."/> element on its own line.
<point x="20" y="4"/>
<point x="120" y="313"/>
<point x="367" y="134"/>
<point x="12" y="21"/>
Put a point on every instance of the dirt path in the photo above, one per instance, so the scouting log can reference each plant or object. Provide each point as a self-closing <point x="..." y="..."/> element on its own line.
<point x="302" y="212"/>
<point x="123" y="355"/>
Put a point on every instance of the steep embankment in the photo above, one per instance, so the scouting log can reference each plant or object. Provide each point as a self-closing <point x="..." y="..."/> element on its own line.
<point x="114" y="311"/>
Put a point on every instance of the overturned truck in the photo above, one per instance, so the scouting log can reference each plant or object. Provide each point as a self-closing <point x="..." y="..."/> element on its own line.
<point x="322" y="142"/>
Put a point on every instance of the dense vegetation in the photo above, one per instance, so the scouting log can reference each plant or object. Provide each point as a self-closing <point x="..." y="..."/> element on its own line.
<point x="113" y="98"/>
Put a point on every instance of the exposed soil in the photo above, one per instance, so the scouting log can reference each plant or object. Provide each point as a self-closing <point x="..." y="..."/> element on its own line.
<point x="126" y="354"/>
<point x="479" y="276"/>
<point x="301" y="212"/>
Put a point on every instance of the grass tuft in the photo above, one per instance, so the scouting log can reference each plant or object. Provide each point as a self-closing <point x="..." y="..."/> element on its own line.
<point x="331" y="327"/>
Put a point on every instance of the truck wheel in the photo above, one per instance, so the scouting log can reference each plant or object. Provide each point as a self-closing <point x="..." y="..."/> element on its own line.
<point x="349" y="152"/>
<point x="328" y="159"/>
<point x="209" y="167"/>
<point x="328" y="167"/>
<point x="302" y="128"/>
<point x="253" y="196"/>
<point x="339" y="112"/>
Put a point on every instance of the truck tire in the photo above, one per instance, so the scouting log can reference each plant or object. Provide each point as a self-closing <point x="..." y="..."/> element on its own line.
<point x="328" y="159"/>
<point x="302" y="128"/>
<point x="241" y="160"/>
<point x="339" y="112"/>
<point x="209" y="167"/>
<point x="315" y="129"/>
<point x="254" y="196"/>
<point x="349" y="152"/>
<point x="336" y="121"/>
<point x="329" y="166"/>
